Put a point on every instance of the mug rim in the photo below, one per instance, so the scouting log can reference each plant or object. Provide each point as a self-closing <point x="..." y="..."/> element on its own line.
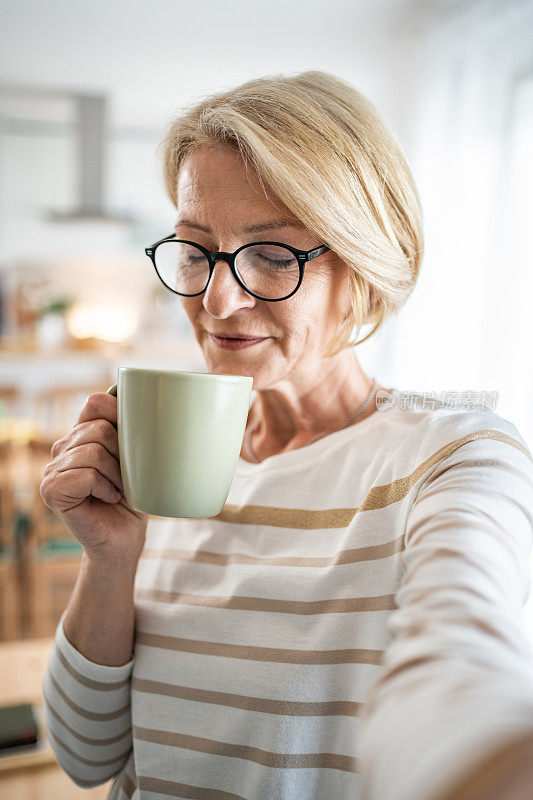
<point x="186" y="373"/>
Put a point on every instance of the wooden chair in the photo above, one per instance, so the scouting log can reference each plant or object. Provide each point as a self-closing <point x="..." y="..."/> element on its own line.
<point x="39" y="557"/>
<point x="6" y="495"/>
<point x="10" y="397"/>
<point x="10" y="611"/>
<point x="50" y="558"/>
<point x="49" y="583"/>
<point x="45" y="524"/>
<point x="47" y="556"/>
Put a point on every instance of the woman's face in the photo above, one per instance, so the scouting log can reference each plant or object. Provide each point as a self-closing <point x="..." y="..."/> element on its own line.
<point x="216" y="192"/>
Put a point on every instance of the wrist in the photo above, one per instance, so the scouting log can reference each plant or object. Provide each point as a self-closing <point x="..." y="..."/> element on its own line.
<point x="104" y="566"/>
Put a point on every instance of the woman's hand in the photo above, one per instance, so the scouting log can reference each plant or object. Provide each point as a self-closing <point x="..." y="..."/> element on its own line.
<point x="82" y="484"/>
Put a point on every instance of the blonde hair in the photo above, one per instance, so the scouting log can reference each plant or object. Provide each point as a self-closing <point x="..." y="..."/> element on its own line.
<point x="326" y="152"/>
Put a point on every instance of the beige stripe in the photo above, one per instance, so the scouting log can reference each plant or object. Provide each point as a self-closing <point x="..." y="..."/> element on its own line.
<point x="230" y="750"/>
<point x="340" y="605"/>
<point x="82" y="711"/>
<point x="381" y="496"/>
<point x="128" y="787"/>
<point x="351" y="556"/>
<point x="173" y="789"/>
<point x="504" y="773"/>
<point x="89" y="762"/>
<point x="378" y="497"/>
<point x="251" y="653"/>
<point x="85" y="739"/>
<point x="101" y="686"/>
<point x="264" y="705"/>
<point x="125" y="783"/>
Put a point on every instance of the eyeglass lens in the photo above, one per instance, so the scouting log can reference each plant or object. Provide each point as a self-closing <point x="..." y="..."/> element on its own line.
<point x="268" y="270"/>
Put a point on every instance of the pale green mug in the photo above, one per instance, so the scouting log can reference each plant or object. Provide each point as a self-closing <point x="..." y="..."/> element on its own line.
<point x="179" y="438"/>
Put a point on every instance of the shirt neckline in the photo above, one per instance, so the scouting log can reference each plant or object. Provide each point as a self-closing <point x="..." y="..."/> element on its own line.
<point x="311" y="451"/>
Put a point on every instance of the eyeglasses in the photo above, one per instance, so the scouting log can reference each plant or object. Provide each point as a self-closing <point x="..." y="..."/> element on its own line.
<point x="267" y="270"/>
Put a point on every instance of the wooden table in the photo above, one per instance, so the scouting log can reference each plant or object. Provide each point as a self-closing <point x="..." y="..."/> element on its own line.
<point x="35" y="775"/>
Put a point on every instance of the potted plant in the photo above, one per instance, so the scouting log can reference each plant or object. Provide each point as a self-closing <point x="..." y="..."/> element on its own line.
<point x="51" y="327"/>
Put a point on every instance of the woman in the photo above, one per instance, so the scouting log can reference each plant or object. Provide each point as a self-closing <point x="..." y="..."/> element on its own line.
<point x="348" y="625"/>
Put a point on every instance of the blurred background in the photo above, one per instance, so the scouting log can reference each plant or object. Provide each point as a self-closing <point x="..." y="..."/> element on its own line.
<point x="84" y="92"/>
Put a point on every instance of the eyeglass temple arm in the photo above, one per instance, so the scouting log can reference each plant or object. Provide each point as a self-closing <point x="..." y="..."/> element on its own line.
<point x="317" y="252"/>
<point x="164" y="239"/>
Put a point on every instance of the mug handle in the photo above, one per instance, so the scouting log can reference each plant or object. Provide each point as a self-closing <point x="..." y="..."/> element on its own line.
<point x="112" y="390"/>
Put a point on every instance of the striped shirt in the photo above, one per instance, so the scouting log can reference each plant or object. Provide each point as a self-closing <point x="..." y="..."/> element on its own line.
<point x="349" y="626"/>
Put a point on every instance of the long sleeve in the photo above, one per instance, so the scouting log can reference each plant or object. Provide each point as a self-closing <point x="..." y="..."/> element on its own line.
<point x="87" y="713"/>
<point x="450" y="716"/>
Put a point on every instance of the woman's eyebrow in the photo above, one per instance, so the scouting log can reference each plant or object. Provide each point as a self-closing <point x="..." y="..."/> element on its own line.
<point x="274" y="223"/>
<point x="260" y="226"/>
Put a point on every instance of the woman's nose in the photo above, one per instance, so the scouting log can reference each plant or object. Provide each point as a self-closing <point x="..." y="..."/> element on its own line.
<point x="223" y="293"/>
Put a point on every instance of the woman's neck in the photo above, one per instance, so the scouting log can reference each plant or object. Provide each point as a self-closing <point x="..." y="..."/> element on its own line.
<point x="279" y="422"/>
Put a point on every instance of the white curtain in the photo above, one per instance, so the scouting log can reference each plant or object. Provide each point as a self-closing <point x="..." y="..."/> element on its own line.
<point x="469" y="323"/>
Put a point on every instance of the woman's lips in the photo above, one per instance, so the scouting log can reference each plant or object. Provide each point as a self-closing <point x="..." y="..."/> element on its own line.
<point x="235" y="344"/>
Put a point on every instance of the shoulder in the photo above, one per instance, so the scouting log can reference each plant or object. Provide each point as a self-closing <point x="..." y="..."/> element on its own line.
<point x="442" y="428"/>
<point x="474" y="481"/>
<point x="459" y="454"/>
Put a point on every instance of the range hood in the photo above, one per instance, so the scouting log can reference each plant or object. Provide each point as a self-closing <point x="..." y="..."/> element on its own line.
<point x="91" y="134"/>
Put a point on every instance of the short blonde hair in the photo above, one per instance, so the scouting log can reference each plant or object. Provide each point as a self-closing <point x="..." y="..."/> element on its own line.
<point x="326" y="152"/>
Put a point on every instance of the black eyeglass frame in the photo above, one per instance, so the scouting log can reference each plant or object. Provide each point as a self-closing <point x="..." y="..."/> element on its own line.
<point x="303" y="256"/>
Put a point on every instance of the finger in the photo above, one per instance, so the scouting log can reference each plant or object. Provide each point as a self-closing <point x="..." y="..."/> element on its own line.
<point x="99" y="405"/>
<point x="70" y="488"/>
<point x="99" y="430"/>
<point x="104" y="489"/>
<point x="93" y="455"/>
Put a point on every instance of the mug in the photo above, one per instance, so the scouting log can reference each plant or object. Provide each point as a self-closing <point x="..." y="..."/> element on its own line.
<point x="179" y="437"/>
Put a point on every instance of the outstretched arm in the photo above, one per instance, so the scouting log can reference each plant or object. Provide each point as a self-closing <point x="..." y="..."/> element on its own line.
<point x="451" y="715"/>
